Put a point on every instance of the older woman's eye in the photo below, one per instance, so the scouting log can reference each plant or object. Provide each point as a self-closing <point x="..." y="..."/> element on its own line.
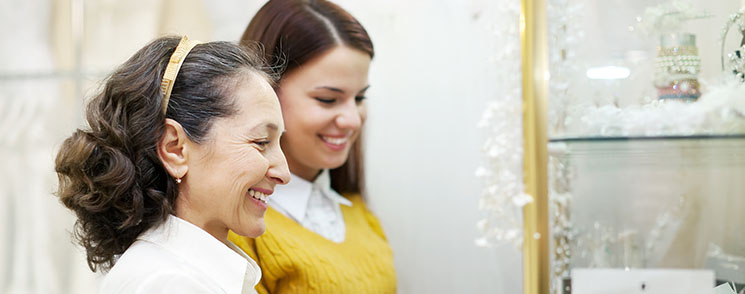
<point x="262" y="144"/>
<point x="325" y="100"/>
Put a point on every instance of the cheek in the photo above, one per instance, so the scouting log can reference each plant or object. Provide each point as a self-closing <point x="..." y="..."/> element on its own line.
<point x="248" y="164"/>
<point x="306" y="123"/>
<point x="297" y="119"/>
<point x="292" y="121"/>
<point x="293" y="145"/>
<point x="292" y="105"/>
<point x="263" y="167"/>
<point x="257" y="165"/>
<point x="363" y="113"/>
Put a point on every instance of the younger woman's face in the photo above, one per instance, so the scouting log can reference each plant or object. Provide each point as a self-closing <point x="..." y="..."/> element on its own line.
<point x="323" y="105"/>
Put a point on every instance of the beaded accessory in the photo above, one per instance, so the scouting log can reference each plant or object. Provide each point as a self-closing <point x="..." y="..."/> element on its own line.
<point x="678" y="66"/>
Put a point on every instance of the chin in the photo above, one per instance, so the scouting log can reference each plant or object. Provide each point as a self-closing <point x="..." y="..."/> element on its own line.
<point x="336" y="162"/>
<point x="252" y="231"/>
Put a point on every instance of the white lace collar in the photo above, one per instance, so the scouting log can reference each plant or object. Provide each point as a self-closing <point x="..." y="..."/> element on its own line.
<point x="292" y="199"/>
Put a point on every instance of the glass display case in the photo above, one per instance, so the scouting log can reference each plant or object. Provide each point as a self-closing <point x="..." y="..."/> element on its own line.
<point x="646" y="127"/>
<point x="649" y="202"/>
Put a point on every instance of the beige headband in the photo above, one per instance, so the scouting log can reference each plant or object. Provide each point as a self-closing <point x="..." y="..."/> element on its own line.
<point x="174" y="64"/>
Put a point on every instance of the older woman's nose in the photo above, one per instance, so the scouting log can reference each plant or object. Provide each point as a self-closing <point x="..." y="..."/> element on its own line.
<point x="279" y="172"/>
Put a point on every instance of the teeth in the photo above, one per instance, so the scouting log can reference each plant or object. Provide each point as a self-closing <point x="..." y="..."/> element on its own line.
<point x="336" y="141"/>
<point x="257" y="195"/>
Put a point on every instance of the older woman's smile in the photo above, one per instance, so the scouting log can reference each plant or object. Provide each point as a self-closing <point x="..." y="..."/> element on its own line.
<point x="259" y="194"/>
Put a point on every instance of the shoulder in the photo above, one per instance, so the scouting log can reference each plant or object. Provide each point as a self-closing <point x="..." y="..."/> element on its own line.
<point x="157" y="282"/>
<point x="359" y="207"/>
<point x="148" y="268"/>
<point x="355" y="198"/>
<point x="244" y="243"/>
<point x="358" y="203"/>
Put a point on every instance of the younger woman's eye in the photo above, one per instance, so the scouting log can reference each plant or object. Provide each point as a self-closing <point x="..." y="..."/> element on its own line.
<point x="359" y="99"/>
<point x="326" y="100"/>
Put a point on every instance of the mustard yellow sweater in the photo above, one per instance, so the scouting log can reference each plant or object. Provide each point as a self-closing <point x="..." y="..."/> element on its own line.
<point x="296" y="260"/>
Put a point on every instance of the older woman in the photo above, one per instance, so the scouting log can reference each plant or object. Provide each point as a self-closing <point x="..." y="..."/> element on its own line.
<point x="321" y="238"/>
<point x="183" y="146"/>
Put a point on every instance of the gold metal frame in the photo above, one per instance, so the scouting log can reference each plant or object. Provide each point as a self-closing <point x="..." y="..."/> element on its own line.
<point x="536" y="279"/>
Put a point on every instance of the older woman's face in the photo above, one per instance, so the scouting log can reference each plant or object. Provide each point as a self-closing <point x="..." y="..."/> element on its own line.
<point x="231" y="174"/>
<point x="324" y="109"/>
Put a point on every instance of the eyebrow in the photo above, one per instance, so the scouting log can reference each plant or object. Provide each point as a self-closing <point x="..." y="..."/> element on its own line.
<point x="268" y="126"/>
<point x="340" y="90"/>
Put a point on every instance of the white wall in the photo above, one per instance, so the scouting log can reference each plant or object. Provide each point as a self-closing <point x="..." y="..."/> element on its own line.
<point x="430" y="82"/>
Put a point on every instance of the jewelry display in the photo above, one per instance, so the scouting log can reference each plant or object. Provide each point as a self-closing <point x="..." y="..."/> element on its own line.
<point x="678" y="66"/>
<point x="736" y="58"/>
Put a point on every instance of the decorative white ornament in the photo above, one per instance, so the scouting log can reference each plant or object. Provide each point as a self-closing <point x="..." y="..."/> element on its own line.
<point x="668" y="17"/>
<point x="503" y="195"/>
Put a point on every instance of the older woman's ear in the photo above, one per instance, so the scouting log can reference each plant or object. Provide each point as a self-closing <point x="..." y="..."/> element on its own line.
<point x="173" y="149"/>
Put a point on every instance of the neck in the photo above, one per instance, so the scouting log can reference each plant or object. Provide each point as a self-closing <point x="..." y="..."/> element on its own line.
<point x="185" y="212"/>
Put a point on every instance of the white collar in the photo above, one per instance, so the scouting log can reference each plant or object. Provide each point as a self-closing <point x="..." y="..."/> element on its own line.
<point x="293" y="198"/>
<point x="226" y="265"/>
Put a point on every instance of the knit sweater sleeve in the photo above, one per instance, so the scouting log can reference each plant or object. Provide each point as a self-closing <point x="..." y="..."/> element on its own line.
<point x="248" y="245"/>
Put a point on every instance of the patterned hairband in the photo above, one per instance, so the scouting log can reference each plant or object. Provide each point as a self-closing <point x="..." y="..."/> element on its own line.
<point x="174" y="64"/>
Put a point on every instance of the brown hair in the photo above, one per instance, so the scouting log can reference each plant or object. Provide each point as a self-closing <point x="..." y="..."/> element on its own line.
<point x="110" y="174"/>
<point x="294" y="32"/>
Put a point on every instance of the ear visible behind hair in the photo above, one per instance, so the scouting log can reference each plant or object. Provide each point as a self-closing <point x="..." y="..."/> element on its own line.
<point x="173" y="149"/>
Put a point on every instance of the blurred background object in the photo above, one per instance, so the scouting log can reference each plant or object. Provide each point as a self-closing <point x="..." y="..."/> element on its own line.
<point x="646" y="135"/>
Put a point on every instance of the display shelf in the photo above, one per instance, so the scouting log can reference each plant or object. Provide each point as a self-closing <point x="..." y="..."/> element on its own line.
<point x="649" y="202"/>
